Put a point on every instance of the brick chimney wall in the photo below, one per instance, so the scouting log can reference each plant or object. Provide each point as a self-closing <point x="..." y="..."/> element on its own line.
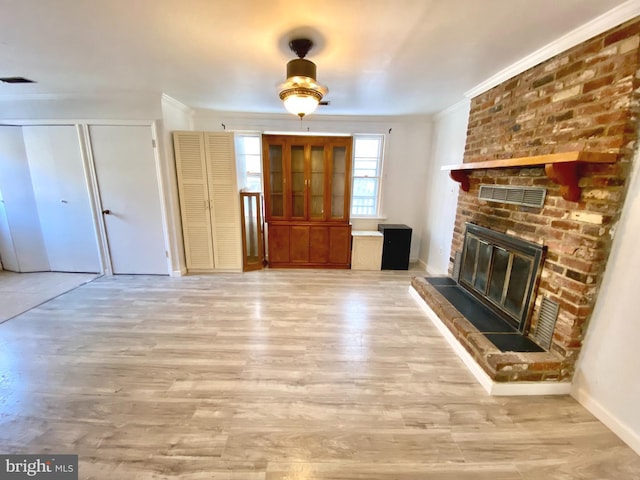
<point x="586" y="98"/>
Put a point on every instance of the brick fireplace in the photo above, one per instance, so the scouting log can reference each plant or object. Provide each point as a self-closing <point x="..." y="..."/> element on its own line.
<point x="582" y="102"/>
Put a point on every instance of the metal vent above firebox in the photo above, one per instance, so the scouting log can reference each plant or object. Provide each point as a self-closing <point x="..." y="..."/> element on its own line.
<point x="527" y="196"/>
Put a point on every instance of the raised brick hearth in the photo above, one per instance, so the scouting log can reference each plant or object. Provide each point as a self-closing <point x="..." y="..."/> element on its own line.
<point x="584" y="99"/>
<point x="500" y="366"/>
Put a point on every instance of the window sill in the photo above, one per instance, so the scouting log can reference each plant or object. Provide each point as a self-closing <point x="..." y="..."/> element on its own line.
<point x="354" y="217"/>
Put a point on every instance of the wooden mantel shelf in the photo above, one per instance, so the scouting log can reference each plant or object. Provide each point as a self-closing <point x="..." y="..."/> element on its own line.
<point x="562" y="168"/>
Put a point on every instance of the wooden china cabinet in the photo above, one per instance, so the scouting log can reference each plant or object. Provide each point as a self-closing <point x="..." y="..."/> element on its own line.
<point x="307" y="182"/>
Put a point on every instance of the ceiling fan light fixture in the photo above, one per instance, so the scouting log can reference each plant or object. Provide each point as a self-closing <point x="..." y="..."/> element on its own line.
<point x="300" y="93"/>
<point x="301" y="101"/>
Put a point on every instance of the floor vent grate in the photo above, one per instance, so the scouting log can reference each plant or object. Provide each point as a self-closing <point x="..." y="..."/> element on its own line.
<point x="546" y="322"/>
<point x="527" y="196"/>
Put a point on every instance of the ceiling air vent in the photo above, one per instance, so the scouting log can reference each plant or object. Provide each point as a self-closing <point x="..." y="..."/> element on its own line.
<point x="527" y="196"/>
<point x="16" y="80"/>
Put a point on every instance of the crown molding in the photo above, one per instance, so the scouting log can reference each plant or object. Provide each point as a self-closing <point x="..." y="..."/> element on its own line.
<point x="177" y="104"/>
<point x="38" y="96"/>
<point x="21" y="97"/>
<point x="606" y="21"/>
<point x="26" y="122"/>
<point x="452" y="108"/>
<point x="203" y="113"/>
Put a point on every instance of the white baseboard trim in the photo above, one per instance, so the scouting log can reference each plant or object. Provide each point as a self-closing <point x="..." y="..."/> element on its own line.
<point x="428" y="270"/>
<point x="179" y="273"/>
<point x="491" y="387"/>
<point x="433" y="273"/>
<point x="531" y="388"/>
<point x="625" y="434"/>
<point x="468" y="360"/>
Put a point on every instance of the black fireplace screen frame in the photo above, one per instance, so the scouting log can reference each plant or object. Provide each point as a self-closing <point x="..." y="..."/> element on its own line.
<point x="502" y="271"/>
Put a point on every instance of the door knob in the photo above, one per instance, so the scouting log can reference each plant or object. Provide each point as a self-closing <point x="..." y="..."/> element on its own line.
<point x="106" y="212"/>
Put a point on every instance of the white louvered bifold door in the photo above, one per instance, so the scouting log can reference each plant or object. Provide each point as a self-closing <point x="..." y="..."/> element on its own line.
<point x="225" y="200"/>
<point x="194" y="199"/>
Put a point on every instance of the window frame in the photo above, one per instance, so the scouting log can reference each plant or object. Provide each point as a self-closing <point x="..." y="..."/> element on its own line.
<point x="379" y="164"/>
<point x="241" y="161"/>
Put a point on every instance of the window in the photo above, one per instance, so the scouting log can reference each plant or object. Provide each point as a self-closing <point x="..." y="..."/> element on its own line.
<point x="367" y="167"/>
<point x="249" y="160"/>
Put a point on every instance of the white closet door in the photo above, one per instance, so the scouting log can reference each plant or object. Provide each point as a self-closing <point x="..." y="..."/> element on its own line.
<point x="128" y="184"/>
<point x="19" y="203"/>
<point x="62" y="198"/>
<point x="194" y="199"/>
<point x="225" y="201"/>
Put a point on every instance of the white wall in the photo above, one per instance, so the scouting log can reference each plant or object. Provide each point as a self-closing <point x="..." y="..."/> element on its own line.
<point x="441" y="193"/>
<point x="405" y="176"/>
<point x="19" y="202"/>
<point x="606" y="378"/>
<point x="80" y="108"/>
<point x="8" y="258"/>
<point x="405" y="164"/>
<point x="175" y="116"/>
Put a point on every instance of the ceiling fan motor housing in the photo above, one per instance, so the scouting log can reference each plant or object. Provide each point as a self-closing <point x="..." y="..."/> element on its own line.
<point x="301" y="68"/>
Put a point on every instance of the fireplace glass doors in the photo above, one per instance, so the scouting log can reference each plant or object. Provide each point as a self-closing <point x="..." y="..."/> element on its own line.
<point x="501" y="271"/>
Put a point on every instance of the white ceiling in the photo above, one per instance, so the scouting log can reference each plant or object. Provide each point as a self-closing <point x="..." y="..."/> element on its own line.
<point x="378" y="57"/>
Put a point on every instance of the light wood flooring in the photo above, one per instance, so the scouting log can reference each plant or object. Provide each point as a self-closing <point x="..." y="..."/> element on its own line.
<point x="21" y="291"/>
<point x="273" y="375"/>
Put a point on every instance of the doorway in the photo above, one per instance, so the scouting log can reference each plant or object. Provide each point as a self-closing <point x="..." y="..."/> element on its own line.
<point x="129" y="194"/>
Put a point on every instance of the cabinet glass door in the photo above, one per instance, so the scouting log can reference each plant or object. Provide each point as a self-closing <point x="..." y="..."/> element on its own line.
<point x="338" y="179"/>
<point x="276" y="181"/>
<point x="297" y="181"/>
<point x="317" y="182"/>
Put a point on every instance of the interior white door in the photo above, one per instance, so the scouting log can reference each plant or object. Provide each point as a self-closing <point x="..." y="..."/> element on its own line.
<point x="19" y="203"/>
<point x="128" y="184"/>
<point x="62" y="198"/>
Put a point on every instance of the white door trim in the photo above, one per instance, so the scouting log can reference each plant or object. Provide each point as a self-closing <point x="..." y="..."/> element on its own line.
<point x="94" y="196"/>
<point x="164" y="207"/>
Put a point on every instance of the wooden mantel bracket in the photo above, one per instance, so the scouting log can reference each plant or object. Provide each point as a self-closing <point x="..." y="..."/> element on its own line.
<point x="565" y="175"/>
<point x="462" y="177"/>
<point x="561" y="168"/>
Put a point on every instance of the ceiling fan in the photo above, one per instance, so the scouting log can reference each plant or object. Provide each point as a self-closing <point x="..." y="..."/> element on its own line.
<point x="301" y="93"/>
